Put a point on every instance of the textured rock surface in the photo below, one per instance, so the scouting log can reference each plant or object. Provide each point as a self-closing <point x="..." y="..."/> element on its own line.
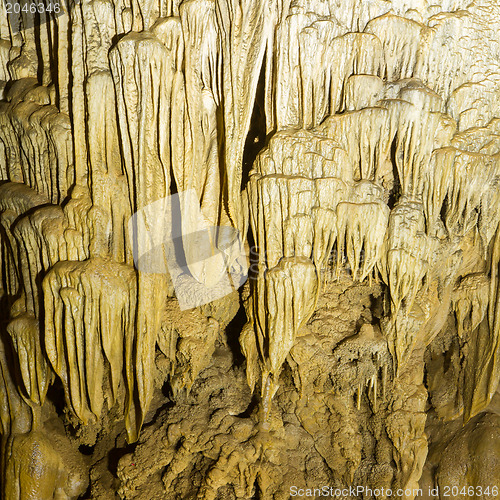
<point x="348" y="153"/>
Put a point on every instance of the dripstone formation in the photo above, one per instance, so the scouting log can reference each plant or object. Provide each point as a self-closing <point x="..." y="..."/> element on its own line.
<point x="343" y="159"/>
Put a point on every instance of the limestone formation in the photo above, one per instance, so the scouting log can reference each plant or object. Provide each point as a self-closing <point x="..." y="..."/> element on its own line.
<point x="249" y="249"/>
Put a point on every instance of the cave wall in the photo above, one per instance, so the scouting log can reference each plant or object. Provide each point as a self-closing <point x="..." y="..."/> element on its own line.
<point x="317" y="185"/>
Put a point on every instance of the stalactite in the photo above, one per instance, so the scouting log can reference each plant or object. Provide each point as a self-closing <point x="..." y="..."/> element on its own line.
<point x="24" y="331"/>
<point x="89" y="328"/>
<point x="481" y="372"/>
<point x="31" y="127"/>
<point x="141" y="69"/>
<point x="246" y="29"/>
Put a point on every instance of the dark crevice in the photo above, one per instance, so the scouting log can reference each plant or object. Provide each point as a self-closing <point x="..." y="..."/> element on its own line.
<point x="55" y="395"/>
<point x="258" y="493"/>
<point x="86" y="450"/>
<point x="444" y="209"/>
<point x="256" y="137"/>
<point x="88" y="493"/>
<point x="395" y="192"/>
<point x="250" y="408"/>
<point x="233" y="331"/>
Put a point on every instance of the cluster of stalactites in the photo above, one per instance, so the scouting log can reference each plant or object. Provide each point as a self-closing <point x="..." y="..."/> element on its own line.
<point x="384" y="188"/>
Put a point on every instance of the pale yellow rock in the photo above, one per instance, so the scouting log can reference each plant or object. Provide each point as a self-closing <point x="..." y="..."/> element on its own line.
<point x="84" y="336"/>
<point x="43" y="468"/>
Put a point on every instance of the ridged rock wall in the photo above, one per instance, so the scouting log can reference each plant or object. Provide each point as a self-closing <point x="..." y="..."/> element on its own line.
<point x="352" y="147"/>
